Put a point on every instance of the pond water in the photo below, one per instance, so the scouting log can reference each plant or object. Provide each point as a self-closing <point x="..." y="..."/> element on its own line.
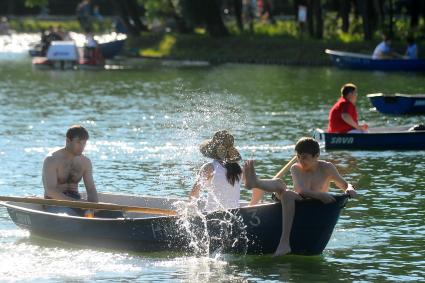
<point x="145" y="126"/>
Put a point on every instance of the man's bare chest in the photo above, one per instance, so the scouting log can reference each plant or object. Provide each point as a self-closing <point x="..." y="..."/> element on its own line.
<point x="70" y="171"/>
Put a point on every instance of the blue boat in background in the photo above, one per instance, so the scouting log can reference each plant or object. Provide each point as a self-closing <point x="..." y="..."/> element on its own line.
<point x="247" y="229"/>
<point x="395" y="138"/>
<point x="358" y="61"/>
<point x="398" y="104"/>
<point x="112" y="48"/>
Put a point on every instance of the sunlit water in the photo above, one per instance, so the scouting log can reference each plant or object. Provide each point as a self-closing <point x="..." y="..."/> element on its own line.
<point x="145" y="126"/>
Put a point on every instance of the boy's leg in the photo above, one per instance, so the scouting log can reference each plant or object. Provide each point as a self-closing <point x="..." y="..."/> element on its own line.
<point x="288" y="211"/>
<point x="268" y="185"/>
<point x="256" y="196"/>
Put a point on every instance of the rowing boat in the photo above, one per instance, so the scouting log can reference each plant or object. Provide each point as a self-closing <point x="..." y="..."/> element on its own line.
<point x="253" y="230"/>
<point x="358" y="61"/>
<point x="398" y="104"/>
<point x="383" y="138"/>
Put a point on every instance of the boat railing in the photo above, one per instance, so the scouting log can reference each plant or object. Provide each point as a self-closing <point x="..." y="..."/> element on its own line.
<point x="348" y="54"/>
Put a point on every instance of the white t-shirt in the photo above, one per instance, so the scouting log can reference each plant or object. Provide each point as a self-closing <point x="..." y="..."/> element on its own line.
<point x="221" y="194"/>
<point x="381" y="49"/>
<point x="412" y="51"/>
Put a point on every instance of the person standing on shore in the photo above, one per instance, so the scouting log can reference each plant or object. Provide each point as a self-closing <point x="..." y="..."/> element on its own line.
<point x="84" y="12"/>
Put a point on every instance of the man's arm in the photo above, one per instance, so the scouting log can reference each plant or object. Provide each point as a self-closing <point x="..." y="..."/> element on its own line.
<point x="50" y="180"/>
<point x="350" y="121"/>
<point x="89" y="182"/>
<point x="300" y="187"/>
<point x="340" y="181"/>
<point x="205" y="173"/>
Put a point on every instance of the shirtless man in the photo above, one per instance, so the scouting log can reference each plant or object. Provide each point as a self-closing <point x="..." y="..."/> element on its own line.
<point x="311" y="178"/>
<point x="64" y="169"/>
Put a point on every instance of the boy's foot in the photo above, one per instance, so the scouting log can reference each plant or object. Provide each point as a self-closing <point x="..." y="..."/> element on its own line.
<point x="281" y="250"/>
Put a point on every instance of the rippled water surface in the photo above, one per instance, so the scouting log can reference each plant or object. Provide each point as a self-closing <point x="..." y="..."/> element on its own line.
<point x="145" y="126"/>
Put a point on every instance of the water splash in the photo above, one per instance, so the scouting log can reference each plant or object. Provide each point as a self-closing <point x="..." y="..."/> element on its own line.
<point x="193" y="224"/>
<point x="213" y="232"/>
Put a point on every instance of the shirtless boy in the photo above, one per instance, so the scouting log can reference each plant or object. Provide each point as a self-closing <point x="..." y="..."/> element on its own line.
<point x="64" y="169"/>
<point x="311" y="178"/>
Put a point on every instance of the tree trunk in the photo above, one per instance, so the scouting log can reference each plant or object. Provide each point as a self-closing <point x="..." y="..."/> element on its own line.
<point x="237" y="7"/>
<point x="128" y="10"/>
<point x="344" y="9"/>
<point x="310" y="19"/>
<point x="391" y="19"/>
<point x="376" y="8"/>
<point x="135" y="15"/>
<point x="181" y="24"/>
<point x="213" y="21"/>
<point x="414" y="11"/>
<point x="318" y="19"/>
<point x="11" y="7"/>
<point x="364" y="11"/>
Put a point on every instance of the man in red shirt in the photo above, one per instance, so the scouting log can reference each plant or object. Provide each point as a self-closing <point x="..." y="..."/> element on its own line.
<point x="343" y="115"/>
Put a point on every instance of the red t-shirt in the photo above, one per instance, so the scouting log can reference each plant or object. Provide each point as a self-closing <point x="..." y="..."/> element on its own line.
<point x="336" y="124"/>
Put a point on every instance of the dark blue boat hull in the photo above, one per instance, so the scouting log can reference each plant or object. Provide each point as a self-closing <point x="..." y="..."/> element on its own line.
<point x="346" y="60"/>
<point x="414" y="140"/>
<point x="398" y="104"/>
<point x="111" y="49"/>
<point x="255" y="230"/>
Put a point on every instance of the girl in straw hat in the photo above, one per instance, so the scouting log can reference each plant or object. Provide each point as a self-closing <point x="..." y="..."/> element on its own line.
<point x="222" y="177"/>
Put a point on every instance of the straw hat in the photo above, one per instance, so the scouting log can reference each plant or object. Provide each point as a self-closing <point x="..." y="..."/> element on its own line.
<point x="220" y="147"/>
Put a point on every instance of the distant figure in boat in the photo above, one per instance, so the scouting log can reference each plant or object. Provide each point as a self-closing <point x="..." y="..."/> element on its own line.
<point x="64" y="169"/>
<point x="343" y="117"/>
<point x="412" y="48"/>
<point x="222" y="177"/>
<point x="4" y="26"/>
<point x="383" y="50"/>
<point x="311" y="178"/>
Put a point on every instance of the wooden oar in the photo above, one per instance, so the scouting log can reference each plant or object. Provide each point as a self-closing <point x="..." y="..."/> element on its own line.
<point x="89" y="205"/>
<point x="285" y="168"/>
<point x="257" y="194"/>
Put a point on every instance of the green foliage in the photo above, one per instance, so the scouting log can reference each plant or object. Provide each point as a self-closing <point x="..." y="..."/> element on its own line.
<point x="333" y="31"/>
<point x="157" y="9"/>
<point x="35" y="3"/>
<point x="248" y="48"/>
<point x="35" y="25"/>
<point x="164" y="48"/>
<point x="284" y="27"/>
<point x="194" y="11"/>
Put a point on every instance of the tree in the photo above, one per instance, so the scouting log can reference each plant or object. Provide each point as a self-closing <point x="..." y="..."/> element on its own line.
<point x="237" y="8"/>
<point x="130" y="12"/>
<point x="366" y="10"/>
<point x="344" y="11"/>
<point x="204" y="12"/>
<point x="314" y="18"/>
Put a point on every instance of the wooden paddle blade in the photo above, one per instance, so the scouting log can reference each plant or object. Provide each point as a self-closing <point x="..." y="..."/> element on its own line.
<point x="90" y="205"/>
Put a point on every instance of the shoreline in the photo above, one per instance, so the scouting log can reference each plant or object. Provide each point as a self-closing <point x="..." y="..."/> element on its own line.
<point x="241" y="49"/>
<point x="238" y="49"/>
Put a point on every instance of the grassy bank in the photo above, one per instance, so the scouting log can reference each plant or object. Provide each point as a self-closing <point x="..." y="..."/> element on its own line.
<point x="241" y="48"/>
<point x="280" y="43"/>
